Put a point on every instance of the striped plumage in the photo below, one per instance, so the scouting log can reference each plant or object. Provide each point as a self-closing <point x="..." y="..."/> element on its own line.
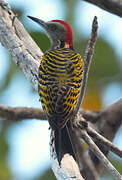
<point x="60" y="76"/>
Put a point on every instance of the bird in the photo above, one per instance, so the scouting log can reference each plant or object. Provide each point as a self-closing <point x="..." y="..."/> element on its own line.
<point x="60" y="77"/>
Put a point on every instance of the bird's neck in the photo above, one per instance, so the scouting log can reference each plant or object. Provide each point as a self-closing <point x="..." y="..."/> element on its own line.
<point x="60" y="44"/>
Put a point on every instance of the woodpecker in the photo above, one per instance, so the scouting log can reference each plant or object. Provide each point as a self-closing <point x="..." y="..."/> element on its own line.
<point x="60" y="77"/>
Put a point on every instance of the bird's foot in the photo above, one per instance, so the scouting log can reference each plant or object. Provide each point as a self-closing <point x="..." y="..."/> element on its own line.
<point x="80" y="123"/>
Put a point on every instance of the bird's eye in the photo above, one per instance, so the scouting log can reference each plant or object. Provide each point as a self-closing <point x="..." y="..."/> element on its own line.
<point x="53" y="27"/>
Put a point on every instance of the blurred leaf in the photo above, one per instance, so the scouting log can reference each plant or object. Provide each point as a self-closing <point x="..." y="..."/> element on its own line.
<point x="12" y="70"/>
<point x="117" y="164"/>
<point x="18" y="12"/>
<point x="41" y="40"/>
<point x="3" y="146"/>
<point x="105" y="63"/>
<point x="105" y="66"/>
<point x="47" y="175"/>
<point x="5" y="173"/>
<point x="92" y="100"/>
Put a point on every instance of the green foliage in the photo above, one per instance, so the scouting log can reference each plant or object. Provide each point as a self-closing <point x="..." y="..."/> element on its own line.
<point x="4" y="147"/>
<point x="41" y="39"/>
<point x="47" y="175"/>
<point x="5" y="173"/>
<point x="105" y="63"/>
<point x="18" y="12"/>
<point x="117" y="164"/>
<point x="12" y="70"/>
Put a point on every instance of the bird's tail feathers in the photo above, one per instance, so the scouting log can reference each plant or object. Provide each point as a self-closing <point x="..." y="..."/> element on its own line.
<point x="64" y="142"/>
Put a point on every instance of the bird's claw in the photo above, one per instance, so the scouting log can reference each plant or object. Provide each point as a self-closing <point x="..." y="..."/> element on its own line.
<point x="81" y="123"/>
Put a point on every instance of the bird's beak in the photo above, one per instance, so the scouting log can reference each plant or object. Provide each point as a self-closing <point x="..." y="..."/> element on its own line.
<point x="39" y="21"/>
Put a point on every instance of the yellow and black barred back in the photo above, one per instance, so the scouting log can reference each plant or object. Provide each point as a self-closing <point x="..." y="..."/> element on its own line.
<point x="60" y="75"/>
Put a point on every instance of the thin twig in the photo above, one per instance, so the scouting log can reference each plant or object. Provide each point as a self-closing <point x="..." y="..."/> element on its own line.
<point x="103" y="141"/>
<point x="93" y="147"/>
<point x="87" y="61"/>
<point x="87" y="167"/>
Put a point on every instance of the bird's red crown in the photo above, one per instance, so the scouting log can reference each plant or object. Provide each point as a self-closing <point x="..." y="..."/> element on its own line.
<point x="69" y="34"/>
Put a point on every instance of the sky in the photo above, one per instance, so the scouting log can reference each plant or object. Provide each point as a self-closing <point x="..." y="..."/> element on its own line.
<point x="29" y="140"/>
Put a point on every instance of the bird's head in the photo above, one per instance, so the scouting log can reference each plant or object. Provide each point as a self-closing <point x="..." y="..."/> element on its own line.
<point x="59" y="32"/>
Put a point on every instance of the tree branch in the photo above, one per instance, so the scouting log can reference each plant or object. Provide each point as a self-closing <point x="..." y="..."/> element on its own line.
<point x="103" y="141"/>
<point x="110" y="120"/>
<point x="26" y="54"/>
<point x="112" y="6"/>
<point x="100" y="155"/>
<point x="102" y="116"/>
<point x="20" y="113"/>
<point x="87" y="61"/>
<point x="111" y="114"/>
<point x="86" y="165"/>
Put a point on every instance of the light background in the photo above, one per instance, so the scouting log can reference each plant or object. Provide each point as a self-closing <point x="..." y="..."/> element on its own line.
<point x="29" y="140"/>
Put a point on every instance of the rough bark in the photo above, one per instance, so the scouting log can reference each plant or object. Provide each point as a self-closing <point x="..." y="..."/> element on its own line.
<point x="26" y="54"/>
